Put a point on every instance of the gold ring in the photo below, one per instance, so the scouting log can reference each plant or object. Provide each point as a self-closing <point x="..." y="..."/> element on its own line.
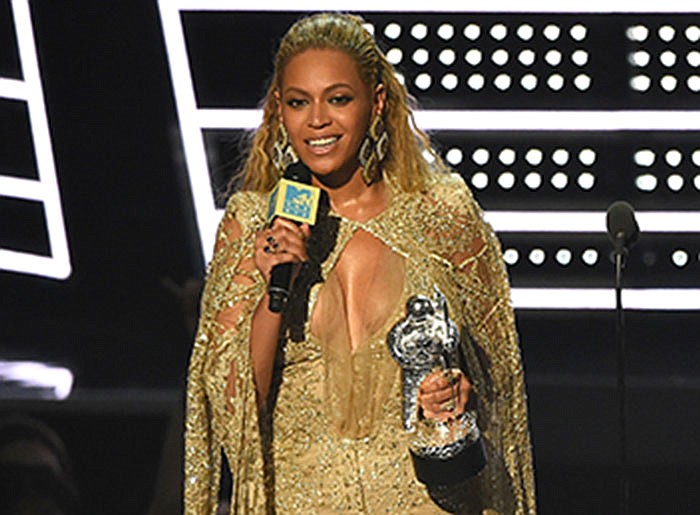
<point x="448" y="405"/>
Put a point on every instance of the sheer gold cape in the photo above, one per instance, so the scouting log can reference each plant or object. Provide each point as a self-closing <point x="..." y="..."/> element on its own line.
<point x="335" y="408"/>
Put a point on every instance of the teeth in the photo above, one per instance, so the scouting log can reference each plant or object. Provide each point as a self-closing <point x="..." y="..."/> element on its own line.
<point x="323" y="141"/>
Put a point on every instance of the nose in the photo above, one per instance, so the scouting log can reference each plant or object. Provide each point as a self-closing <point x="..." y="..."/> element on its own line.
<point x="318" y="115"/>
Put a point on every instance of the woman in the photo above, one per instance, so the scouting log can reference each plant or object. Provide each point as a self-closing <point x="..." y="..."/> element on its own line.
<point x="307" y="405"/>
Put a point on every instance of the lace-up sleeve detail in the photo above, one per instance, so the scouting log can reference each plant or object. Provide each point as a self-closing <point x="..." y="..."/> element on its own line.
<point x="221" y="410"/>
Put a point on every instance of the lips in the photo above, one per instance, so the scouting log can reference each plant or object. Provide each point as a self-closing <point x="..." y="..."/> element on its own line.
<point x="322" y="145"/>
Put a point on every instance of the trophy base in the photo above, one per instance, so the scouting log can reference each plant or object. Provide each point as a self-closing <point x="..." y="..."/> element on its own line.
<point x="445" y="471"/>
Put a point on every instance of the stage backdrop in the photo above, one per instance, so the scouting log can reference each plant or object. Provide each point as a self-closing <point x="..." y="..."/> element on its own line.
<point x="122" y="123"/>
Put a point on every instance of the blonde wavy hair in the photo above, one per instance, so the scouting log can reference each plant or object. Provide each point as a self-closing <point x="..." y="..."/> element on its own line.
<point x="405" y="166"/>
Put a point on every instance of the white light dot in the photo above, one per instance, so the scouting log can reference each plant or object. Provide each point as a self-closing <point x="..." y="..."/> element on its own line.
<point x="472" y="32"/>
<point x="587" y="156"/>
<point x="449" y="81"/>
<point x="419" y="31"/>
<point x="675" y="182"/>
<point x="525" y="32"/>
<point x="637" y="33"/>
<point x="560" y="156"/>
<point x="511" y="256"/>
<point x="586" y="181"/>
<point x="392" y="30"/>
<point x="447" y="57"/>
<point x="696" y="182"/>
<point x="680" y="258"/>
<point x="555" y="82"/>
<point x="582" y="82"/>
<point x="534" y="156"/>
<point x="590" y="256"/>
<point x="559" y="180"/>
<point x="646" y="182"/>
<point x="669" y="83"/>
<point x="673" y="157"/>
<point x="640" y="58"/>
<point x="400" y="77"/>
<point x="369" y="27"/>
<point x="578" y="32"/>
<point x="446" y="31"/>
<point x="506" y="180"/>
<point x="694" y="83"/>
<point x="693" y="58"/>
<point x="644" y="157"/>
<point x="454" y="156"/>
<point x="552" y="32"/>
<point x="499" y="32"/>
<point x="668" y="58"/>
<point x="553" y="57"/>
<point x="579" y="57"/>
<point x="507" y="156"/>
<point x="480" y="180"/>
<point x="423" y="81"/>
<point x="537" y="256"/>
<point x="640" y="83"/>
<point x="695" y="157"/>
<point x="533" y="180"/>
<point x="481" y="156"/>
<point x="529" y="81"/>
<point x="473" y="56"/>
<point x="692" y="33"/>
<point x="421" y="56"/>
<point x="428" y="156"/>
<point x="527" y="57"/>
<point x="476" y="81"/>
<point x="503" y="81"/>
<point x="500" y="57"/>
<point x="394" y="56"/>
<point x="667" y="33"/>
<point x="563" y="257"/>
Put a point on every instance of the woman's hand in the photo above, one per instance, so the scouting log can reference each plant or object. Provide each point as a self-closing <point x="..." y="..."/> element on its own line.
<point x="283" y="242"/>
<point x="443" y="395"/>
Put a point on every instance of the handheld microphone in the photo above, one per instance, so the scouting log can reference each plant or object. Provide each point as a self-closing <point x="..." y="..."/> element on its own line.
<point x="623" y="230"/>
<point x="294" y="199"/>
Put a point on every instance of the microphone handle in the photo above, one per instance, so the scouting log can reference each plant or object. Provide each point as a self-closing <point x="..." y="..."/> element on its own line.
<point x="278" y="289"/>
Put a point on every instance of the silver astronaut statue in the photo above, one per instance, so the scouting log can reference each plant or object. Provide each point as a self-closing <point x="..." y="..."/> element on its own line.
<point x="424" y="341"/>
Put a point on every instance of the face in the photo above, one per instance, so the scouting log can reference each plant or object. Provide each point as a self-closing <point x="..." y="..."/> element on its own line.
<point x="326" y="109"/>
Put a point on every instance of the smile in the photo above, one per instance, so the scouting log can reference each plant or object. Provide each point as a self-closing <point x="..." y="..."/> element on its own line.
<point x="322" y="142"/>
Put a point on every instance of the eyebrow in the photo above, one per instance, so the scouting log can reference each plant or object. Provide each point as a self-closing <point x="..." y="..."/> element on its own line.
<point x="329" y="89"/>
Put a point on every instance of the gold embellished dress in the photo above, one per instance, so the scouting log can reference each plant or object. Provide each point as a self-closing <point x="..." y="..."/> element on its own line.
<point x="331" y="439"/>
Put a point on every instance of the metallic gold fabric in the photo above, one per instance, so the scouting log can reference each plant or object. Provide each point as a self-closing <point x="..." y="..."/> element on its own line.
<point x="331" y="440"/>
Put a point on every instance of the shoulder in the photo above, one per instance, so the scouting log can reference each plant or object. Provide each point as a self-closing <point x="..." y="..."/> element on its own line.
<point x="247" y="209"/>
<point x="447" y="194"/>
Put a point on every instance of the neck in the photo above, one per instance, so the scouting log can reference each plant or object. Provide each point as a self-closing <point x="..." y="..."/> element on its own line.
<point x="354" y="199"/>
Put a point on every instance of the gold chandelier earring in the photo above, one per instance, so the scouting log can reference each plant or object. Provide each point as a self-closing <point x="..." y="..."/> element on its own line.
<point x="373" y="150"/>
<point x="284" y="154"/>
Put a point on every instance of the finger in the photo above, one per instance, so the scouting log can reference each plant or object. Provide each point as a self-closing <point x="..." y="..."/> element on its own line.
<point x="433" y="382"/>
<point x="287" y="237"/>
<point x="441" y="394"/>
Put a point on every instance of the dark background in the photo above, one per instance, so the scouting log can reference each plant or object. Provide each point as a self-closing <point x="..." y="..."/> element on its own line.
<point x="119" y="324"/>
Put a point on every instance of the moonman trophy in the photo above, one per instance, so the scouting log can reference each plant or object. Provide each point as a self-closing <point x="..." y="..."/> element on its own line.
<point x="426" y="340"/>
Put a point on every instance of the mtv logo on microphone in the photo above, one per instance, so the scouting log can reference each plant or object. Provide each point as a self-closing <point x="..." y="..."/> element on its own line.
<point x="294" y="201"/>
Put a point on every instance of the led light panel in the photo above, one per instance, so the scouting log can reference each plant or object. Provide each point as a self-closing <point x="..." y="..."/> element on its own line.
<point x="194" y="120"/>
<point x="44" y="189"/>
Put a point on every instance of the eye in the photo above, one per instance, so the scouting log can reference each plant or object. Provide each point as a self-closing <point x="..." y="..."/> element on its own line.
<point x="295" y="103"/>
<point x="341" y="100"/>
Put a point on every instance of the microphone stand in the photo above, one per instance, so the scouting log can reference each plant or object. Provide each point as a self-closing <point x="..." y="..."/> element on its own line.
<point x="621" y="386"/>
